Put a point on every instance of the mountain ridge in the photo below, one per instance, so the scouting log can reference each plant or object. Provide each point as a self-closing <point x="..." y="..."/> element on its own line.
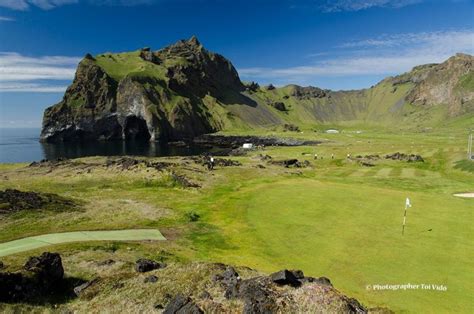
<point x="184" y="90"/>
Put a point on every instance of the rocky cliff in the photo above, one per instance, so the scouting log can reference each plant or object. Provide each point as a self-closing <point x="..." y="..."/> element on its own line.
<point x="148" y="95"/>
<point x="184" y="90"/>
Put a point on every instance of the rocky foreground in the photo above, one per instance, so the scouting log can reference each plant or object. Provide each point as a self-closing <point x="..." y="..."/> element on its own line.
<point x="176" y="288"/>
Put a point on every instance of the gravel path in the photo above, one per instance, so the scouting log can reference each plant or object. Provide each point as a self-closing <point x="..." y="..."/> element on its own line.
<point x="35" y="242"/>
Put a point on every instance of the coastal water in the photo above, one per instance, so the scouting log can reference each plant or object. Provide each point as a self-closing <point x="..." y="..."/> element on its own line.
<point x="22" y="145"/>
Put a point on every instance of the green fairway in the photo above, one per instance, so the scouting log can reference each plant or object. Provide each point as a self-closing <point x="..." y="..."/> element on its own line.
<point x="35" y="242"/>
<point x="335" y="218"/>
<point x="295" y="223"/>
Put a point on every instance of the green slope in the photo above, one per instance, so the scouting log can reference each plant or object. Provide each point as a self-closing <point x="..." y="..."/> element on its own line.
<point x="184" y="85"/>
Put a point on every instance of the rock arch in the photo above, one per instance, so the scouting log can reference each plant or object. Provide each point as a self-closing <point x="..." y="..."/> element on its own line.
<point x="135" y="128"/>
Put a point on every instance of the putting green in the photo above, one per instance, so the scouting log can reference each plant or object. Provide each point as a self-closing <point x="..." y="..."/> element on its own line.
<point x="35" y="242"/>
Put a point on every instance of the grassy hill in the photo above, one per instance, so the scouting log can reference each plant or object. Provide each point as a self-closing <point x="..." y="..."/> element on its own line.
<point x="185" y="90"/>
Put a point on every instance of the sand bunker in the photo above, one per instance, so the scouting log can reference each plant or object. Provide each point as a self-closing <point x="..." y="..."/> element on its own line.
<point x="468" y="195"/>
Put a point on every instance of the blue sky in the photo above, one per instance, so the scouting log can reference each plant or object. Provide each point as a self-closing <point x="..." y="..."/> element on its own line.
<point x="336" y="44"/>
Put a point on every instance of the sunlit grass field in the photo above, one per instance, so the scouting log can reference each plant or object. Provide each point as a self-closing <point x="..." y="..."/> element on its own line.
<point x="334" y="218"/>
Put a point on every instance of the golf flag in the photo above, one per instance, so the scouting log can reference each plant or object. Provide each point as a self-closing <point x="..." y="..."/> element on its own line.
<point x="407" y="204"/>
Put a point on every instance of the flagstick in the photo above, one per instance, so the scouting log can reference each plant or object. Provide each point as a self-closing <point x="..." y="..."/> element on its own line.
<point x="407" y="204"/>
<point x="404" y="220"/>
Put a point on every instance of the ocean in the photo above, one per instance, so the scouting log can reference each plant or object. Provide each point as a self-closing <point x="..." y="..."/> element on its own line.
<point x="22" y="145"/>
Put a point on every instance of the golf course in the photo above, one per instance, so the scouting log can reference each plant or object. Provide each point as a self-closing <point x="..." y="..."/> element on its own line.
<point x="334" y="217"/>
<point x="298" y="157"/>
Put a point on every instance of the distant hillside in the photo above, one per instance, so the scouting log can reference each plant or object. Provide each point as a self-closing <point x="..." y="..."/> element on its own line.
<point x="184" y="90"/>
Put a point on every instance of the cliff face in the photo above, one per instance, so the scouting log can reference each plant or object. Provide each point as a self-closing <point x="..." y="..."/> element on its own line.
<point x="183" y="90"/>
<point x="143" y="95"/>
<point x="450" y="83"/>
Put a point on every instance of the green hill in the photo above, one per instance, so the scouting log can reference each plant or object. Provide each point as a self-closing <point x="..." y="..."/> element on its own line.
<point x="184" y="90"/>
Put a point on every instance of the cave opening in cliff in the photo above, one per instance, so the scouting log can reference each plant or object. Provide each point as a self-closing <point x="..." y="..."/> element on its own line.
<point x="136" y="129"/>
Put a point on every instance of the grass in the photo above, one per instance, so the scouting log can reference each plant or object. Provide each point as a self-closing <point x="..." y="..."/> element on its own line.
<point x="334" y="218"/>
<point x="465" y="165"/>
<point x="119" y="65"/>
<point x="467" y="81"/>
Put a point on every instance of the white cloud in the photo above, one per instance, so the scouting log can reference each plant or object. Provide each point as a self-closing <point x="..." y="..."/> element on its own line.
<point x="16" y="67"/>
<point x="6" y="19"/>
<point x="459" y="38"/>
<point x="357" y="5"/>
<point x="51" y="4"/>
<point x="42" y="4"/>
<point x="23" y="5"/>
<point x="38" y="74"/>
<point x="385" y="55"/>
<point x="126" y="3"/>
<point x="31" y="87"/>
<point x="14" y="4"/>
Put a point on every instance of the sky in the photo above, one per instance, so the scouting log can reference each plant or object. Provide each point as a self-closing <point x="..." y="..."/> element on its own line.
<point x="335" y="44"/>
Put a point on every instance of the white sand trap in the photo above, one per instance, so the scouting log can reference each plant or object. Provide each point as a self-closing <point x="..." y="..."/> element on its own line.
<point x="468" y="195"/>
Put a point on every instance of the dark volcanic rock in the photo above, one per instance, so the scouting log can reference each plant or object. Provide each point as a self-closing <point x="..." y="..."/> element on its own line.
<point x="12" y="200"/>
<point x="48" y="268"/>
<point x="79" y="290"/>
<point x="226" y="162"/>
<point x="323" y="281"/>
<point x="228" y="278"/>
<point x="124" y="162"/>
<point x="127" y="163"/>
<point x="145" y="265"/>
<point x="50" y="163"/>
<point x="182" y="305"/>
<point x="287" y="163"/>
<point x="256" y="293"/>
<point x="205" y="72"/>
<point x="285" y="277"/>
<point x="183" y="181"/>
<point x="353" y="306"/>
<point x="151" y="279"/>
<point x="221" y="162"/>
<point x="297" y="273"/>
<point x="89" y="56"/>
<point x="238" y="141"/>
<point x="279" y="106"/>
<point x="148" y="55"/>
<point x="87" y="108"/>
<point x="405" y="157"/>
<point x="291" y="128"/>
<point x="46" y="277"/>
<point x="308" y="92"/>
<point x="252" y="87"/>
